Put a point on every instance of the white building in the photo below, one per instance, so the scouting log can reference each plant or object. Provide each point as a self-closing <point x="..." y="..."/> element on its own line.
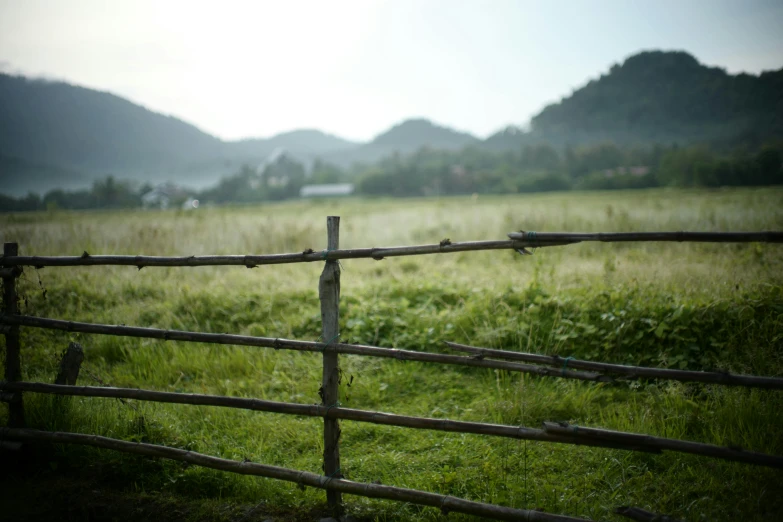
<point x="156" y="198"/>
<point x="326" y="191"/>
<point x="162" y="196"/>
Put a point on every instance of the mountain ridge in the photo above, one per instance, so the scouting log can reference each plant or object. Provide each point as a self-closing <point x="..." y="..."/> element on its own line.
<point x="656" y="96"/>
<point x="66" y="129"/>
<point x="55" y="132"/>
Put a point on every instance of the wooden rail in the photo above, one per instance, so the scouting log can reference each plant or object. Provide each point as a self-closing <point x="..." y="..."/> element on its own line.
<point x="316" y="410"/>
<point x="641" y="515"/>
<point x="304" y="478"/>
<point x="558" y="238"/>
<point x="552" y="432"/>
<point x="288" y="344"/>
<point x="519" y="240"/>
<point x="628" y="372"/>
<point x="251" y="261"/>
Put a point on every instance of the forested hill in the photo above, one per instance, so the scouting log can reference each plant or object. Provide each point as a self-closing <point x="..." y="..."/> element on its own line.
<point x="56" y="135"/>
<point x="74" y="127"/>
<point x="53" y="134"/>
<point x="666" y="97"/>
<point x="403" y="138"/>
<point x="411" y="134"/>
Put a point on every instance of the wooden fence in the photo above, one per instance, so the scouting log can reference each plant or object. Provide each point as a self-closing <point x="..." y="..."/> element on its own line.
<point x="12" y="388"/>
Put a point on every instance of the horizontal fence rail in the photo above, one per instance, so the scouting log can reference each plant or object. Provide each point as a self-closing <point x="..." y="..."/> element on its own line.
<point x="288" y="344"/>
<point x="641" y="515"/>
<point x="304" y="478"/>
<point x="552" y="432"/>
<point x="250" y="261"/>
<point x="628" y="372"/>
<point x="519" y="240"/>
<point x="649" y="441"/>
<point x="317" y="410"/>
<point x="485" y="359"/>
<point x="558" y="238"/>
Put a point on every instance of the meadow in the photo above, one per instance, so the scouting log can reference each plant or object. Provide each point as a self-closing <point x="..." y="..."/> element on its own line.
<point x="696" y="306"/>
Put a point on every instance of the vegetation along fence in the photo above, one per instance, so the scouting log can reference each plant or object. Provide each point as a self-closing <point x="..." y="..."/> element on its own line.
<point x="332" y="480"/>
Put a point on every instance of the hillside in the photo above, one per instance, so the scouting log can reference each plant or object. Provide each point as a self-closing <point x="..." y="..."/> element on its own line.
<point x="57" y="135"/>
<point x="53" y="134"/>
<point x="304" y="143"/>
<point x="403" y="138"/>
<point x="20" y="177"/>
<point x="665" y="97"/>
<point x="73" y="127"/>
<point x="411" y="134"/>
<point x="504" y="139"/>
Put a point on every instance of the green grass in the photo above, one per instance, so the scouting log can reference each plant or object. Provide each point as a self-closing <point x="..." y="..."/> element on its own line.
<point x="676" y="305"/>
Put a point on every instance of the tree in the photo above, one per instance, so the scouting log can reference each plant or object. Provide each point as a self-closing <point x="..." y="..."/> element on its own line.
<point x="323" y="172"/>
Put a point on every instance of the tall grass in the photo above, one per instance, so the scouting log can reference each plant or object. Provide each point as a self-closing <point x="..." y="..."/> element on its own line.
<point x="679" y="305"/>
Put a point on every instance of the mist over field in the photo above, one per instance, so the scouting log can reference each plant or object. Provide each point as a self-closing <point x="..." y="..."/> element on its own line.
<point x="417" y="124"/>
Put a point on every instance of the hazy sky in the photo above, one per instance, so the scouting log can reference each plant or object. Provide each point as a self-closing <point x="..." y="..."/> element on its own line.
<point x="255" y="68"/>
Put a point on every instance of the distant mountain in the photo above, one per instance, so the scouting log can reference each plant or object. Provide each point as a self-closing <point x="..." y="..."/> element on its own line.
<point x="305" y="142"/>
<point x="403" y="138"/>
<point x="19" y="177"/>
<point x="57" y="135"/>
<point x="310" y="140"/>
<point x="53" y="134"/>
<point x="507" y="138"/>
<point x="412" y="134"/>
<point x="78" y="128"/>
<point x="665" y="97"/>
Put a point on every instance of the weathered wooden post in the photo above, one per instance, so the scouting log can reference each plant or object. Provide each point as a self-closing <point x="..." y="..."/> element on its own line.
<point x="13" y="368"/>
<point x="70" y="364"/>
<point x="329" y="294"/>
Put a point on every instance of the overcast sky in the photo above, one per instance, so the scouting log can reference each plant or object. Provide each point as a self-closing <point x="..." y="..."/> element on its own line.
<point x="255" y="68"/>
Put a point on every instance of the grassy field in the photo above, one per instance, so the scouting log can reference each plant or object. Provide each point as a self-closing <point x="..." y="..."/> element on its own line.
<point x="677" y="305"/>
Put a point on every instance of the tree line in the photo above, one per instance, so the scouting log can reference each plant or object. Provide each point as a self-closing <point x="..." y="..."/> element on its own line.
<point x="541" y="168"/>
<point x="473" y="169"/>
<point x="104" y="194"/>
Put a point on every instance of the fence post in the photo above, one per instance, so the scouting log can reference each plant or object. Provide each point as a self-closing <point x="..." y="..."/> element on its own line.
<point x="329" y="295"/>
<point x="13" y="368"/>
